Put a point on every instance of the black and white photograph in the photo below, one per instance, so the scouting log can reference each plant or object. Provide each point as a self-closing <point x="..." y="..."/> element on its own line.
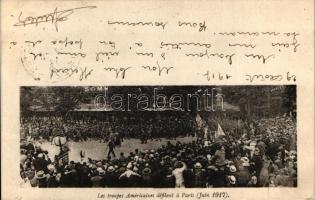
<point x="158" y="136"/>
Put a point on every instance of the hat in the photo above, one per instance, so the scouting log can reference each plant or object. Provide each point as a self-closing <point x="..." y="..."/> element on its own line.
<point x="40" y="155"/>
<point x="111" y="169"/>
<point x="232" y="179"/>
<point x="232" y="168"/>
<point x="40" y="175"/>
<point x="93" y="166"/>
<point x="51" y="167"/>
<point x="198" y="165"/>
<point x="101" y="172"/>
<point x="99" y="164"/>
<point x="245" y="161"/>
<point x="212" y="167"/>
<point x="146" y="171"/>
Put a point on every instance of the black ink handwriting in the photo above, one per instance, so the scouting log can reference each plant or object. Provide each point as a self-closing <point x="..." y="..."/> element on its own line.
<point x="63" y="72"/>
<point x="178" y="45"/>
<point x="270" y="33"/>
<point x="106" y="53"/>
<point x="264" y="59"/>
<point x="158" y="68"/>
<point x="33" y="43"/>
<point x="208" y="55"/>
<point x="202" y="25"/>
<point x="118" y="71"/>
<point x="150" y="54"/>
<point x="286" y="45"/>
<point x="239" y="33"/>
<point x="157" y="24"/>
<point x="54" y="17"/>
<point x="35" y="55"/>
<point x="242" y="45"/>
<point x="83" y="55"/>
<point x="218" y="76"/>
<point x="85" y="73"/>
<point x="112" y="44"/>
<point x="67" y="42"/>
<point x="261" y="77"/>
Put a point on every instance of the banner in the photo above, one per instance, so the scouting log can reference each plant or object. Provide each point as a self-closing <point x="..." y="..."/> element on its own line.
<point x="219" y="132"/>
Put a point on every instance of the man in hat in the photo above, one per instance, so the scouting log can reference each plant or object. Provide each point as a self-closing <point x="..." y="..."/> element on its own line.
<point x="243" y="174"/>
<point x="231" y="181"/>
<point x="42" y="179"/>
<point x="218" y="175"/>
<point x="199" y="179"/>
<point x="111" y="177"/>
<point x="51" y="180"/>
<point x="97" y="179"/>
<point x="146" y="177"/>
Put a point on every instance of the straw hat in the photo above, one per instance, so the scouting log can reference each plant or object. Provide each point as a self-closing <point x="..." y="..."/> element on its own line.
<point x="198" y="165"/>
<point x="146" y="171"/>
<point x="110" y="169"/>
<point x="232" y="168"/>
<point x="40" y="175"/>
<point x="232" y="179"/>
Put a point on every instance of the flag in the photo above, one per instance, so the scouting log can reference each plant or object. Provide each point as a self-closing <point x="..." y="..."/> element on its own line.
<point x="219" y="132"/>
<point x="206" y="132"/>
<point x="200" y="123"/>
<point x="199" y="120"/>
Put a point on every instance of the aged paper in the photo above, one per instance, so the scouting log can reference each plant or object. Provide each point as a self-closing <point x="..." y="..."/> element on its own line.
<point x="217" y="97"/>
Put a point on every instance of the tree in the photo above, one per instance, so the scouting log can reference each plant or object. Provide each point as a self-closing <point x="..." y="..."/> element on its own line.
<point x="68" y="99"/>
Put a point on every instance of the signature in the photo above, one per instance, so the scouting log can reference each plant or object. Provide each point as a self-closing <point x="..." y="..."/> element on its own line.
<point x="54" y="17"/>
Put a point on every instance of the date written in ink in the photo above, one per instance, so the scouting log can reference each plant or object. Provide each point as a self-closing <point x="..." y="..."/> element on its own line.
<point x="270" y="77"/>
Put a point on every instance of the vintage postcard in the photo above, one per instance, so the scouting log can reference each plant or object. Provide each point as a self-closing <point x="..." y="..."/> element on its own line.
<point x="157" y="100"/>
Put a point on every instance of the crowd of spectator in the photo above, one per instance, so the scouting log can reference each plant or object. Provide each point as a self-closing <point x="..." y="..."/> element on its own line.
<point x="81" y="130"/>
<point x="262" y="155"/>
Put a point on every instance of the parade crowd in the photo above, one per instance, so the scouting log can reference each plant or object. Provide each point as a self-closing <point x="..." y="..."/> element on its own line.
<point x="98" y="129"/>
<point x="262" y="154"/>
